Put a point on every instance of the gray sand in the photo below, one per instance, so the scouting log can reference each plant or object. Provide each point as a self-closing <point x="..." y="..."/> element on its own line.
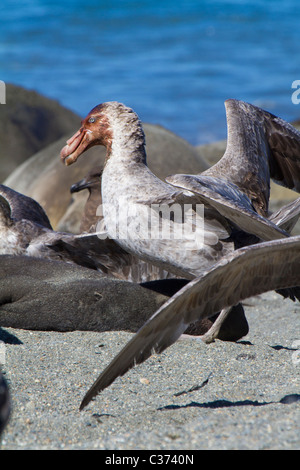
<point x="244" y="405"/>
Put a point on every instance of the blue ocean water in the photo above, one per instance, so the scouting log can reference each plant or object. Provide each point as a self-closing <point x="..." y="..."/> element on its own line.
<point x="175" y="63"/>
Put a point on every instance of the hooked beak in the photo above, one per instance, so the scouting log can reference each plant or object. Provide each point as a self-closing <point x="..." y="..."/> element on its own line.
<point x="76" y="145"/>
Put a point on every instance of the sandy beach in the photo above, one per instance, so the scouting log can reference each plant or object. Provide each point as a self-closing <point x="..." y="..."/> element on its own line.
<point x="251" y="399"/>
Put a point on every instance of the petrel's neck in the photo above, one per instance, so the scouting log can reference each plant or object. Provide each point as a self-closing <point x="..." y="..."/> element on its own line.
<point x="128" y="142"/>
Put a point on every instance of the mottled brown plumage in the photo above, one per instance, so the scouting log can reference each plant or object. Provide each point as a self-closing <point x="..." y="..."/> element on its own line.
<point x="235" y="193"/>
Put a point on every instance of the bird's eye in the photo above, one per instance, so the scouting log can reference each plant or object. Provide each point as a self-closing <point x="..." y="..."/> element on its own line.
<point x="91" y="119"/>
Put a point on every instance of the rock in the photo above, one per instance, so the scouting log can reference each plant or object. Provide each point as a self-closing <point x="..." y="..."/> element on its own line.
<point x="29" y="122"/>
<point x="182" y="157"/>
<point x="211" y="153"/>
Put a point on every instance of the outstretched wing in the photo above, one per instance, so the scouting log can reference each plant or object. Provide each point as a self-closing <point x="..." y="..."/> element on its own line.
<point x="246" y="272"/>
<point x="230" y="202"/>
<point x="260" y="146"/>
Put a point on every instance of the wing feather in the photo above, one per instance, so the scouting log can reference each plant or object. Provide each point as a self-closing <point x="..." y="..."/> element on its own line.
<point x="246" y="272"/>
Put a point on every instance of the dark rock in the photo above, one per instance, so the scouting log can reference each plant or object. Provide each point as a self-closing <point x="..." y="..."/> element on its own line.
<point x="29" y="122"/>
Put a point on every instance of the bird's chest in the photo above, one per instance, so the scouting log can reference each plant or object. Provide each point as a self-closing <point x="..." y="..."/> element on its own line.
<point x="121" y="214"/>
<point x="124" y="219"/>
